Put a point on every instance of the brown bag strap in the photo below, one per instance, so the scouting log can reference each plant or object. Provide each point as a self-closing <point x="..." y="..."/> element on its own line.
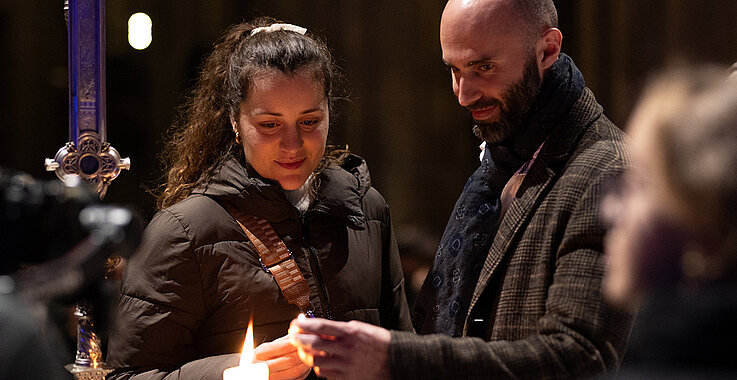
<point x="276" y="258"/>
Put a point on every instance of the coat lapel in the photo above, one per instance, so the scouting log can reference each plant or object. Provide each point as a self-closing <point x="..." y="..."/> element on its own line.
<point x="534" y="186"/>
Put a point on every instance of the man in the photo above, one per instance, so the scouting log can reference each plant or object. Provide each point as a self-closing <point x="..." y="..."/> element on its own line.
<point x="515" y="287"/>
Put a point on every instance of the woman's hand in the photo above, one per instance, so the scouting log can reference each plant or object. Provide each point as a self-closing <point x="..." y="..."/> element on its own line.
<point x="282" y="359"/>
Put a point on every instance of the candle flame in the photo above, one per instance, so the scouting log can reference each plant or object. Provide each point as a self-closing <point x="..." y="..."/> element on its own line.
<point x="247" y="354"/>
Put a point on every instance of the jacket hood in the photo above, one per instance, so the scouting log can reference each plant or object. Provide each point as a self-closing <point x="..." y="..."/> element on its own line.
<point x="339" y="193"/>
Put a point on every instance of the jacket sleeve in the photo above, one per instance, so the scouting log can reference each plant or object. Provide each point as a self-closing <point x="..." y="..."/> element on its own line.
<point x="160" y="308"/>
<point x="394" y="310"/>
<point x="579" y="335"/>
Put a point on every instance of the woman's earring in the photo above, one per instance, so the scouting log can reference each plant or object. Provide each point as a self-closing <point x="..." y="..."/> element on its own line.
<point x="235" y="130"/>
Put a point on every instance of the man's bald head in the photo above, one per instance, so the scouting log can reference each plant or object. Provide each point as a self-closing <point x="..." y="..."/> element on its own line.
<point x="535" y="16"/>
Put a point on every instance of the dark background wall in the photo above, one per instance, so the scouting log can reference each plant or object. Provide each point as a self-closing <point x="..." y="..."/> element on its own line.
<point x="403" y="117"/>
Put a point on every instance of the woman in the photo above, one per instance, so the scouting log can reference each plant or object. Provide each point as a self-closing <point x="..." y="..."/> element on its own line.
<point x="673" y="246"/>
<point x="253" y="142"/>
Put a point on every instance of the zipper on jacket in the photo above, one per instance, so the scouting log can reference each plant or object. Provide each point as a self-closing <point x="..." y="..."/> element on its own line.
<point x="322" y="291"/>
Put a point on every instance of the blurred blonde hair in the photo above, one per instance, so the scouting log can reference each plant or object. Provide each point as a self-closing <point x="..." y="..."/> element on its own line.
<point x="689" y="115"/>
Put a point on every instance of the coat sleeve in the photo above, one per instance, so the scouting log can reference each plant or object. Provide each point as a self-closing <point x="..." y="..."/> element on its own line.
<point x="160" y="308"/>
<point x="578" y="336"/>
<point x="394" y="310"/>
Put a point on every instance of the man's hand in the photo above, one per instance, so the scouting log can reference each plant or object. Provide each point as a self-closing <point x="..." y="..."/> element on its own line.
<point x="281" y="357"/>
<point x="344" y="350"/>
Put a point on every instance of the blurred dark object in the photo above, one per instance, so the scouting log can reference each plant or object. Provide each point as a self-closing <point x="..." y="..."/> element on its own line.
<point x="682" y="334"/>
<point x="39" y="221"/>
<point x="112" y="232"/>
<point x="58" y="243"/>
<point x="26" y="348"/>
<point x="59" y="235"/>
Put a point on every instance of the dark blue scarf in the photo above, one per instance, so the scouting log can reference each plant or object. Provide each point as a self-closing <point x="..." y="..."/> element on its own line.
<point x="446" y="294"/>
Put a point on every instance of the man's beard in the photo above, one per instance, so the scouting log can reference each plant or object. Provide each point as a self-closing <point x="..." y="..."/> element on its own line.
<point x="513" y="109"/>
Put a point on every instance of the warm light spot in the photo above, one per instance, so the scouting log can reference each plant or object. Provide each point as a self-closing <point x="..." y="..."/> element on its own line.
<point x="94" y="354"/>
<point x="303" y="356"/>
<point x="139" y="31"/>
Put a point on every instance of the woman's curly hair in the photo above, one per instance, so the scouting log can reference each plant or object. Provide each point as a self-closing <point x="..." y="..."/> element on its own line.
<point x="203" y="137"/>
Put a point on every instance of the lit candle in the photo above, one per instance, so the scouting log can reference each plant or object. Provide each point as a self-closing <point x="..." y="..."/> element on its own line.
<point x="247" y="370"/>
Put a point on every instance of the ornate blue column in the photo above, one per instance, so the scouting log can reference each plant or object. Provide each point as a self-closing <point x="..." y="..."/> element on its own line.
<point x="87" y="154"/>
<point x="88" y="364"/>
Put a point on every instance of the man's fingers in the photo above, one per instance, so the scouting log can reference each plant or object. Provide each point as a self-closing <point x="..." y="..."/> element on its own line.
<point x="321" y="326"/>
<point x="326" y="360"/>
<point x="343" y="350"/>
<point x="329" y="366"/>
<point x="329" y="373"/>
<point x="315" y="344"/>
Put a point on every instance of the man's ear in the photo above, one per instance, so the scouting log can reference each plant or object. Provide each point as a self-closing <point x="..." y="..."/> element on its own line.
<point x="548" y="48"/>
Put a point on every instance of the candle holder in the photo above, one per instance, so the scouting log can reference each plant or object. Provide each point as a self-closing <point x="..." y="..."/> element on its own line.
<point x="88" y="364"/>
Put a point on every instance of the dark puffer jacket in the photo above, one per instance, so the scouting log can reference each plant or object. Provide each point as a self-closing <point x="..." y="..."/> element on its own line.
<point x="189" y="291"/>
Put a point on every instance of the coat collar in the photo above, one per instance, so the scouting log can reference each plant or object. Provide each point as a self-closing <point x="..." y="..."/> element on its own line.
<point x="560" y="90"/>
<point x="339" y="194"/>
<point x="571" y="127"/>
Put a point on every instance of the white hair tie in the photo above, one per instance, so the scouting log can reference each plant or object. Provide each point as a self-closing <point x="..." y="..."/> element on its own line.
<point x="275" y="27"/>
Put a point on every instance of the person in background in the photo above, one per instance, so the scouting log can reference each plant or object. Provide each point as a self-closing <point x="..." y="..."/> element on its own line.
<point x="672" y="249"/>
<point x="515" y="288"/>
<point x="253" y="142"/>
<point x="417" y="247"/>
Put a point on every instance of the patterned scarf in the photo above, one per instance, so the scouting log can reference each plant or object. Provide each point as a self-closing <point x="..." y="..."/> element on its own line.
<point x="446" y="294"/>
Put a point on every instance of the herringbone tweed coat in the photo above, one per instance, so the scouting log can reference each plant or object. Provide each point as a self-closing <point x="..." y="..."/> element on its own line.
<point x="543" y="315"/>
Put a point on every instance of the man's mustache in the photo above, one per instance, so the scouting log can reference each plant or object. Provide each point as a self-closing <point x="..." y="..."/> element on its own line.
<point x="484" y="103"/>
